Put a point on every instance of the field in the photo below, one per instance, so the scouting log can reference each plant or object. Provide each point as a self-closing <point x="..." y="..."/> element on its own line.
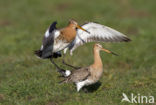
<point x="27" y="80"/>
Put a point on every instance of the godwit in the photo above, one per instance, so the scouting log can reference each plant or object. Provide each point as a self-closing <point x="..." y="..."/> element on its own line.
<point x="87" y="75"/>
<point x="55" y="40"/>
<point x="72" y="36"/>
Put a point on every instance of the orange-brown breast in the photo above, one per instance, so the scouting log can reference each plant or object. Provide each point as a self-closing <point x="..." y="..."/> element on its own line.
<point x="67" y="34"/>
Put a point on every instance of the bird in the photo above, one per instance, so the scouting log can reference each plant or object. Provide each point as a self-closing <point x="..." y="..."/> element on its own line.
<point x="72" y="36"/>
<point x="87" y="75"/>
<point x="55" y="40"/>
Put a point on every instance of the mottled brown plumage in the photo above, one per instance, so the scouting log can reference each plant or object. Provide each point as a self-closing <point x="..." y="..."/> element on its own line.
<point x="79" y="75"/>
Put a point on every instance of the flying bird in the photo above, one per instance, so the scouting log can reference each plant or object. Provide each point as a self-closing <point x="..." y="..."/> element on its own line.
<point x="87" y="75"/>
<point x="72" y="36"/>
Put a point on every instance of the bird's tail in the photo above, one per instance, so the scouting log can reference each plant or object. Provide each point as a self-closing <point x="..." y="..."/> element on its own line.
<point x="66" y="77"/>
<point x="64" y="81"/>
<point x="64" y="73"/>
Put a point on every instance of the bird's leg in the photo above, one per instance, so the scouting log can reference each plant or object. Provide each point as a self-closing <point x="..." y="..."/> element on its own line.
<point x="55" y="64"/>
<point x="60" y="70"/>
<point x="63" y="61"/>
<point x="70" y="65"/>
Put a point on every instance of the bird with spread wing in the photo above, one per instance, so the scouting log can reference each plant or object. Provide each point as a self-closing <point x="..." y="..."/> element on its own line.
<point x="71" y="37"/>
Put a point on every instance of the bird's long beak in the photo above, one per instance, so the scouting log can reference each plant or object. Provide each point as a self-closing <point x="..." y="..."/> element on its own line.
<point x="109" y="51"/>
<point x="82" y="29"/>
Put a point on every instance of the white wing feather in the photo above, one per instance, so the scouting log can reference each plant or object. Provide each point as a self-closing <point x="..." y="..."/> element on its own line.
<point x="98" y="33"/>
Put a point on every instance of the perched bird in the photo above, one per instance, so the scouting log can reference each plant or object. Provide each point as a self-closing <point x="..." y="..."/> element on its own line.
<point x="87" y="75"/>
<point x="55" y="40"/>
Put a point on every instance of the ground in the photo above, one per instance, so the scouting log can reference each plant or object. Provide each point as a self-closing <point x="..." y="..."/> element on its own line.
<point x="27" y="80"/>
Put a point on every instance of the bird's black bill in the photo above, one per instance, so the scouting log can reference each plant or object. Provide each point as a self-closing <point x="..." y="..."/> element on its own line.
<point x="109" y="51"/>
<point x="114" y="54"/>
<point x="88" y="32"/>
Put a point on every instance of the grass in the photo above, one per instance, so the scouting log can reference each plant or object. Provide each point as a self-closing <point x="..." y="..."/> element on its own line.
<point x="26" y="80"/>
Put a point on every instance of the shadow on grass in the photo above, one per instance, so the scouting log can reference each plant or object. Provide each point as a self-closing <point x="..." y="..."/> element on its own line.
<point x="92" y="88"/>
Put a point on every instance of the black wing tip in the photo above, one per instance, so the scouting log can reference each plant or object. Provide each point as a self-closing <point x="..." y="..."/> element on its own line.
<point x="125" y="39"/>
<point x="55" y="22"/>
<point x="38" y="53"/>
<point x="52" y="26"/>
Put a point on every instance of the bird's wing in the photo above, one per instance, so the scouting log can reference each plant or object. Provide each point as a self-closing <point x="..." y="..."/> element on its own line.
<point x="80" y="75"/>
<point x="48" y="40"/>
<point x="49" y="35"/>
<point x="97" y="33"/>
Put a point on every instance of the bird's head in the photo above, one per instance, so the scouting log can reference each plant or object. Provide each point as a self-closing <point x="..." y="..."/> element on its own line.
<point x="98" y="47"/>
<point x="75" y="25"/>
<point x="73" y="22"/>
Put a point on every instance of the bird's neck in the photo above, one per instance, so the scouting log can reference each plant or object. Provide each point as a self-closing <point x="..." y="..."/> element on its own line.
<point x="97" y="59"/>
<point x="69" y="33"/>
<point x="71" y="26"/>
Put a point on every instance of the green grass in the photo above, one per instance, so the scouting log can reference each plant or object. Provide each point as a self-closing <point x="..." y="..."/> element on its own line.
<point x="27" y="80"/>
